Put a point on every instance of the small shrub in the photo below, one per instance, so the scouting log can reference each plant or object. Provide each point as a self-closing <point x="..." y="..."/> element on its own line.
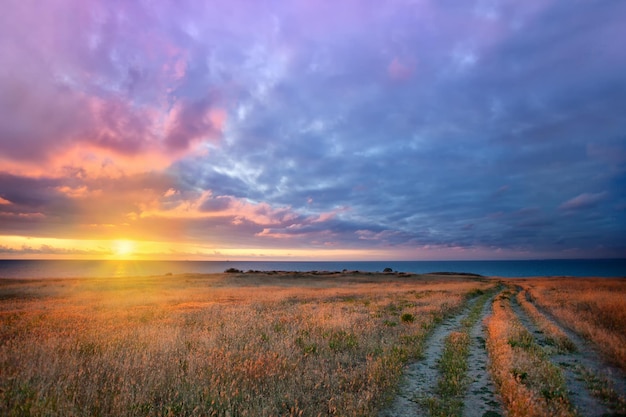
<point x="519" y="374"/>
<point x="342" y="340"/>
<point x="408" y="318"/>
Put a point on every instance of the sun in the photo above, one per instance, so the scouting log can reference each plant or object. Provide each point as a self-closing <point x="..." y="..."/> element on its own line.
<point x="123" y="248"/>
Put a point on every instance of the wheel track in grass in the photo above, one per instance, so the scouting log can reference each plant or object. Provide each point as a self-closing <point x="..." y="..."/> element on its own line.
<point x="421" y="377"/>
<point x="588" y="354"/>
<point x="481" y="398"/>
<point x="571" y="363"/>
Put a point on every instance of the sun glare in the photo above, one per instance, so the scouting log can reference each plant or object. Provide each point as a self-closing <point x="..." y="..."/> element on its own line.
<point x="123" y="248"/>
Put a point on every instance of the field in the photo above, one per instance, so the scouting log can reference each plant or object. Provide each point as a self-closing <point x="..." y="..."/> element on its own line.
<point x="309" y="344"/>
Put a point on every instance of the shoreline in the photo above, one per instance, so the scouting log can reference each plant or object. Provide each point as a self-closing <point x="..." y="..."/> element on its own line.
<point x="284" y="275"/>
<point x="510" y="269"/>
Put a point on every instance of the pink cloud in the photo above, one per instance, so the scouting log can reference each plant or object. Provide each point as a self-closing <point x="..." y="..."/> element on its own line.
<point x="191" y="121"/>
<point x="400" y="70"/>
<point x="37" y="118"/>
<point x="103" y="95"/>
<point x="119" y="127"/>
<point x="583" y="201"/>
<point x="269" y="233"/>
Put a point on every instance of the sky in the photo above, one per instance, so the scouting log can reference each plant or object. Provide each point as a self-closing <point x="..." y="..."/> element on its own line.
<point x="313" y="129"/>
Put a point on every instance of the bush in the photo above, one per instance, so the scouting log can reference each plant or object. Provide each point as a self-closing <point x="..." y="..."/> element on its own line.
<point x="233" y="271"/>
<point x="408" y="318"/>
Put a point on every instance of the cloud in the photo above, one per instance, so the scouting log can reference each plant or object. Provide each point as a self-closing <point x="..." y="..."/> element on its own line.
<point x="109" y="89"/>
<point x="219" y="203"/>
<point x="56" y="110"/>
<point x="583" y="201"/>
<point x="50" y="250"/>
<point x="399" y="71"/>
<point x="192" y="121"/>
<point x="308" y="124"/>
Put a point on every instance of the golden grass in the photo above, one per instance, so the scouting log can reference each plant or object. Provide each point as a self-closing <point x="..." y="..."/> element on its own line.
<point x="528" y="383"/>
<point x="554" y="335"/>
<point x="594" y="308"/>
<point x="214" y="345"/>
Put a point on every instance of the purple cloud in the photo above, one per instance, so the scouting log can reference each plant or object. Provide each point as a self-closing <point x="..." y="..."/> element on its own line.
<point x="216" y="204"/>
<point x="317" y="124"/>
<point x="193" y="121"/>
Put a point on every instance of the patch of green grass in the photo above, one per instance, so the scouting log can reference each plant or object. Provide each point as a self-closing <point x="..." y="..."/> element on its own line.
<point x="602" y="389"/>
<point x="453" y="365"/>
<point x="438" y="408"/>
<point x="474" y="293"/>
<point x="341" y="340"/>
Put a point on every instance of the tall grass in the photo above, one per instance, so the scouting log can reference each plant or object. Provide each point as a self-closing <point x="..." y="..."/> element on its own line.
<point x="554" y="335"/>
<point x="221" y="346"/>
<point x="594" y="308"/>
<point x="528" y="383"/>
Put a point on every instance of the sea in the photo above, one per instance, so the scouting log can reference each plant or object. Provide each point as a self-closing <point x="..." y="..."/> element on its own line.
<point x="41" y="269"/>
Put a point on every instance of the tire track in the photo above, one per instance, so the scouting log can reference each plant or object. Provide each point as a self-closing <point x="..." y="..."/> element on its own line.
<point x="578" y="393"/>
<point x="481" y="399"/>
<point x="420" y="377"/>
<point x="588" y="354"/>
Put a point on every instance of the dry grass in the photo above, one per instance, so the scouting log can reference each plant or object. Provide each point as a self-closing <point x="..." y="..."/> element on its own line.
<point x="528" y="383"/>
<point x="594" y="308"/>
<point x="214" y="345"/>
<point x="554" y="335"/>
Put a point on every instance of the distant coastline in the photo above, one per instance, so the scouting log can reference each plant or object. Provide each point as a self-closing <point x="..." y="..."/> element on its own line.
<point x="507" y="269"/>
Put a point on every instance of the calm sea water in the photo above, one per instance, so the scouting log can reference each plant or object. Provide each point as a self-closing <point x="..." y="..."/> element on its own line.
<point x="529" y="268"/>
